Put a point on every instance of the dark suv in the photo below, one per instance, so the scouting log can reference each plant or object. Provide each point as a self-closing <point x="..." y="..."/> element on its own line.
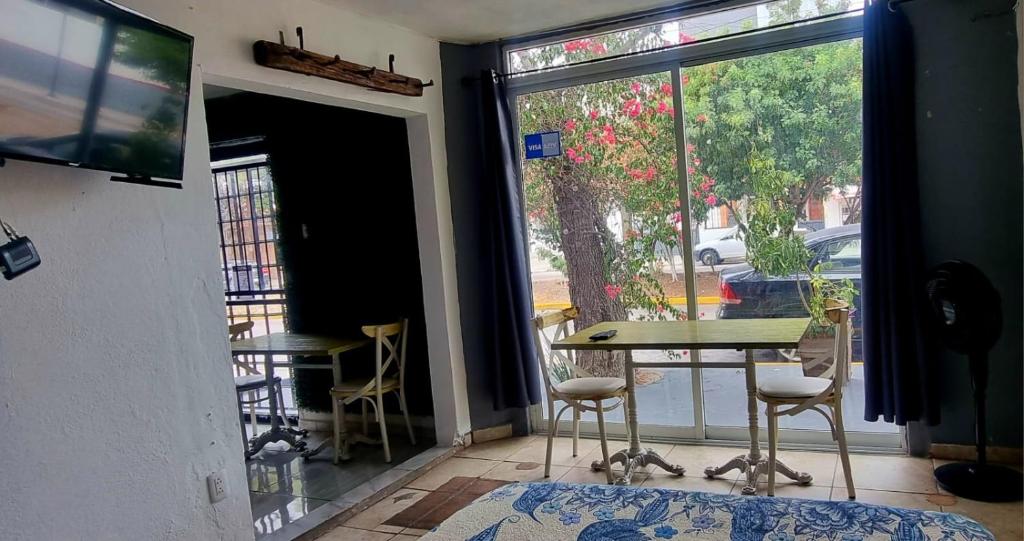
<point x="747" y="294"/>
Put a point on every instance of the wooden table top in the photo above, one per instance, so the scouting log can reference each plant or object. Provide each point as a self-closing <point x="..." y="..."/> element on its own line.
<point x="768" y="333"/>
<point x="283" y="343"/>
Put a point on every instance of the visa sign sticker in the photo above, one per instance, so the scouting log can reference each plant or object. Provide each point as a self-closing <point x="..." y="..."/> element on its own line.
<point x="543" y="145"/>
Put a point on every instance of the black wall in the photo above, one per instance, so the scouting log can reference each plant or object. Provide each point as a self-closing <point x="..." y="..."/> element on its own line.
<point x="347" y="226"/>
<point x="972" y="187"/>
<point x="465" y="175"/>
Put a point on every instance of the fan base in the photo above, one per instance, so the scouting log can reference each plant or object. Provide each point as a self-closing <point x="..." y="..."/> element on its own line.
<point x="984" y="483"/>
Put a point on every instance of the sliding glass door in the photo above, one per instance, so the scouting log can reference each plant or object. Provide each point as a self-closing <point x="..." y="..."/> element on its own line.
<point x="603" y="220"/>
<point x="719" y="185"/>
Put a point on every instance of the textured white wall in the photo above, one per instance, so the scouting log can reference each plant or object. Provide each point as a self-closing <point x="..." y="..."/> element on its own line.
<point x="115" y="397"/>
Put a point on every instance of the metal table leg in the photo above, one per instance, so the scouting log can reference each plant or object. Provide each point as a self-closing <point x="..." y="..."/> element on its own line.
<point x="634" y="457"/>
<point x="752" y="464"/>
<point x="276" y="433"/>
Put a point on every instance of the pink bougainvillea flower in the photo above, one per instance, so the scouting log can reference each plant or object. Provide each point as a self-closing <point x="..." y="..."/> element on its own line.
<point x="690" y="170"/>
<point x="711" y="200"/>
<point x="677" y="217"/>
<point x="660" y="308"/>
<point x="636" y="173"/>
<point x="649" y="174"/>
<point x="686" y="38"/>
<point x="666" y="89"/>
<point x="597" y="47"/>
<point x="593" y="115"/>
<point x="570" y="153"/>
<point x="590" y="137"/>
<point x="671" y="112"/>
<point x="570" y="125"/>
<point x="662" y="107"/>
<point x="612" y="291"/>
<point x="690" y="147"/>
<point x="635" y="87"/>
<point x="702" y="118"/>
<point x="696" y="161"/>
<point x="579" y="159"/>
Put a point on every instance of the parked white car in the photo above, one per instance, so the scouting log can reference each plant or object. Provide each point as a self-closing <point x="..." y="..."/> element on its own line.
<point x="729" y="246"/>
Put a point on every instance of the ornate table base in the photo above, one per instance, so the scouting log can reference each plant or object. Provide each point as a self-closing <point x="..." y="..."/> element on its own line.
<point x="754" y="468"/>
<point x="631" y="460"/>
<point x="752" y="464"/>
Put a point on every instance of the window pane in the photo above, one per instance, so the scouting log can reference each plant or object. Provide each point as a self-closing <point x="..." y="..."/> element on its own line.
<point x="602" y="220"/>
<point x="675" y="32"/>
<point x="773" y="148"/>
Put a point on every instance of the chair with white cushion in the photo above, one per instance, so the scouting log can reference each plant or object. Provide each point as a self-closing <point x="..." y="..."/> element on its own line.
<point x="566" y="382"/>
<point x="792" y="395"/>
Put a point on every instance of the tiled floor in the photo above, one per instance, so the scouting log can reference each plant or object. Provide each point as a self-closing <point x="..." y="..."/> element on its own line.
<point x="284" y="488"/>
<point x="887" y="480"/>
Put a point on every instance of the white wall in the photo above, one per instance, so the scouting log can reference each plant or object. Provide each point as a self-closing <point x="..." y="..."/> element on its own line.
<point x="115" y="398"/>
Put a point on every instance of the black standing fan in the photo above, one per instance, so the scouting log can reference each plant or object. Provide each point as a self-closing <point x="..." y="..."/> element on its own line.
<point x="969" y="319"/>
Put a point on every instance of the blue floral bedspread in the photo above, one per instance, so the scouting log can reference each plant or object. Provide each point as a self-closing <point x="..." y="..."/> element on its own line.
<point x="560" y="511"/>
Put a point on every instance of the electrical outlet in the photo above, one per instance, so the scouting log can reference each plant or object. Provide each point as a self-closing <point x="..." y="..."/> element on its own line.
<point x="217" y="486"/>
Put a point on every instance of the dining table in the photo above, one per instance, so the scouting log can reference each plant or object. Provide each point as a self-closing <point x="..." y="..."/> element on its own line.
<point x="295" y="345"/>
<point x="745" y="335"/>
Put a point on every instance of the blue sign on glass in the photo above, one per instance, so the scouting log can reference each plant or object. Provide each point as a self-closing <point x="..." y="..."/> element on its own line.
<point x="543" y="145"/>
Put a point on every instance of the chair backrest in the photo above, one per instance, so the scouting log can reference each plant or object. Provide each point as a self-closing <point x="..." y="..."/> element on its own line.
<point x="390" y="341"/>
<point x="246" y="364"/>
<point x="238" y="331"/>
<point x="556" y="366"/>
<point x="839" y="371"/>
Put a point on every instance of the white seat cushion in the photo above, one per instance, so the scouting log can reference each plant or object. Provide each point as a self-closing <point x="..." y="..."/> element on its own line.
<point x="794" y="387"/>
<point x="590" y="387"/>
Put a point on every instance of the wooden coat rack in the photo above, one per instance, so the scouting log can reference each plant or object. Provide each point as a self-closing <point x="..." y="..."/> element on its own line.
<point x="299" y="60"/>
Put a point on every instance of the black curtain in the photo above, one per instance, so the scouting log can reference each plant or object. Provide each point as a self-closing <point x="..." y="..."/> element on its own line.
<point x="514" y="359"/>
<point x="898" y="356"/>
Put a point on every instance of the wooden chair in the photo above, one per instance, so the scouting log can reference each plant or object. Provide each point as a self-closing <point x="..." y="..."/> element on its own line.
<point x="566" y="382"/>
<point x="389" y="377"/>
<point x="793" y="395"/>
<point x="249" y="381"/>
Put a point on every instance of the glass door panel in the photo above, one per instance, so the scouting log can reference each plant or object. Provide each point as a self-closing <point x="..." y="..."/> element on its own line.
<point x="773" y="161"/>
<point x="603" y="218"/>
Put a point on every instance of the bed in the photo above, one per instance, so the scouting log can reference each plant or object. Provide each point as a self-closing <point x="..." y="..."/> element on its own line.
<point x="561" y="511"/>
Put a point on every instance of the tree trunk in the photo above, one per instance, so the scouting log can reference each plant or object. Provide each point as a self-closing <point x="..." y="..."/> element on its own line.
<point x="584" y="251"/>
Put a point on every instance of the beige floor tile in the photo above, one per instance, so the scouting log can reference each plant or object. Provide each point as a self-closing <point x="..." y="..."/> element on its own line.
<point x="343" y="533"/>
<point x="589" y="476"/>
<point x="905" y="500"/>
<point x="1004" y="520"/>
<point x="695" y="458"/>
<point x="414" y="532"/>
<point x="891" y="473"/>
<point x="524" y="472"/>
<point x="374" y="516"/>
<point x="691" y="483"/>
<point x="497" y="449"/>
<point x="404" y="537"/>
<point x="453" y="467"/>
<point x="561" y="454"/>
<point x="790" y="490"/>
<point x="821" y="466"/>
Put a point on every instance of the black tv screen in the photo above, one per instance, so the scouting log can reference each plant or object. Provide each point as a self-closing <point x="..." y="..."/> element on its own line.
<point x="86" y="83"/>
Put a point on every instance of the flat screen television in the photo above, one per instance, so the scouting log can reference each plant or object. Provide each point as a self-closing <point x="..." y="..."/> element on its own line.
<point x="90" y="84"/>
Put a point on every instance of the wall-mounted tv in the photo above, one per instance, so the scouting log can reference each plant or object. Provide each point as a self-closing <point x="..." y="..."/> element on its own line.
<point x="90" y="84"/>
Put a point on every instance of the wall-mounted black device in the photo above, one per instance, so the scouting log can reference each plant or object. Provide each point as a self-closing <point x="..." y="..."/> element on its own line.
<point x="19" y="255"/>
